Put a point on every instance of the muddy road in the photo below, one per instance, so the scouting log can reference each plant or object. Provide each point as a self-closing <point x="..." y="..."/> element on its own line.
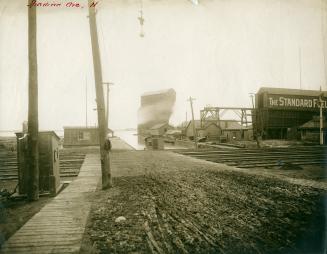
<point x="176" y="204"/>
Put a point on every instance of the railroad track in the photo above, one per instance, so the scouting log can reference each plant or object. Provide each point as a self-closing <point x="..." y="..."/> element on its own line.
<point x="8" y="159"/>
<point x="266" y="157"/>
<point x="70" y="163"/>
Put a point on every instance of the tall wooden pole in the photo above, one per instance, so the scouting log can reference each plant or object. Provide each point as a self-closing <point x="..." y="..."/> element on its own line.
<point x="321" y="125"/>
<point x="86" y="102"/>
<point x="107" y="108"/>
<point x="33" y="125"/>
<point x="103" y="125"/>
<point x="194" y="129"/>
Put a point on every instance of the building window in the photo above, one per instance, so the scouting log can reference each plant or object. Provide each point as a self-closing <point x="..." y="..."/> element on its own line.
<point x="84" y="135"/>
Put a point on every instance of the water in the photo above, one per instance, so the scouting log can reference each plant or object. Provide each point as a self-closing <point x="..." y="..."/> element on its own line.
<point x="8" y="133"/>
<point x="131" y="138"/>
<point x="60" y="133"/>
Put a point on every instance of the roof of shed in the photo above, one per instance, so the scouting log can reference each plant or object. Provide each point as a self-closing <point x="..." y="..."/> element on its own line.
<point x="313" y="124"/>
<point x="82" y="128"/>
<point x="164" y="91"/>
<point x="158" y="126"/>
<point x="288" y="91"/>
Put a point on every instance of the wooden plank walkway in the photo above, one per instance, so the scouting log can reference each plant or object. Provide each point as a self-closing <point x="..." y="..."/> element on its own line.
<point x="59" y="226"/>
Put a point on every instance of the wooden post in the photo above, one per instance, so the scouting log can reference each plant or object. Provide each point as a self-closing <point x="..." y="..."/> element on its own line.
<point x="107" y="108"/>
<point x="321" y="130"/>
<point x="33" y="125"/>
<point x="86" y="102"/>
<point x="194" y="129"/>
<point x="103" y="125"/>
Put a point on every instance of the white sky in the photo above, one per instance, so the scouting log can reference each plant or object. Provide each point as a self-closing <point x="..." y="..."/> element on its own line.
<point x="218" y="51"/>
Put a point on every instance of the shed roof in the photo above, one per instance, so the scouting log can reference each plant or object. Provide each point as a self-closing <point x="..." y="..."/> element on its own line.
<point x="164" y="91"/>
<point x="158" y="126"/>
<point x="83" y="128"/>
<point x="313" y="124"/>
<point x="172" y="132"/>
<point x="231" y="125"/>
<point x="288" y="91"/>
<point x="197" y="124"/>
<point x="211" y="124"/>
<point x="44" y="132"/>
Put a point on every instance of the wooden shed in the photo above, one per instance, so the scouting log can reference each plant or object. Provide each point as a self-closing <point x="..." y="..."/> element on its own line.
<point x="82" y="136"/>
<point x="310" y="131"/>
<point x="49" y="171"/>
<point x="160" y="129"/>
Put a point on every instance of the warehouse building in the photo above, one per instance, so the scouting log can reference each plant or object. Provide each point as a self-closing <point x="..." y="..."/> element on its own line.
<point x="280" y="112"/>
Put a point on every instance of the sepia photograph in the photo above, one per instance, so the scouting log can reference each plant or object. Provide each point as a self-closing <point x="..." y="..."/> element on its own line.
<point x="163" y="126"/>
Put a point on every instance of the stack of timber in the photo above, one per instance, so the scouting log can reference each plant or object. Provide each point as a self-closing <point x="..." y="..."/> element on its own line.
<point x="70" y="162"/>
<point x="267" y="157"/>
<point x="8" y="160"/>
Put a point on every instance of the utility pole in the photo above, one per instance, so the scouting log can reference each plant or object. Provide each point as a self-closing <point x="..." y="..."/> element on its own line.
<point x="86" y="102"/>
<point x="254" y="115"/>
<point x="33" y="123"/>
<point x="321" y="119"/>
<point x="194" y="129"/>
<point x="103" y="125"/>
<point x="252" y="99"/>
<point x="107" y="109"/>
<point x="300" y="66"/>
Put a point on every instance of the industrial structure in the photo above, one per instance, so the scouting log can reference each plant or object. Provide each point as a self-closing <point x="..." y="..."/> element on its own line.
<point x="209" y="114"/>
<point x="156" y="109"/>
<point x="213" y="127"/>
<point x="222" y="130"/>
<point x="283" y="113"/>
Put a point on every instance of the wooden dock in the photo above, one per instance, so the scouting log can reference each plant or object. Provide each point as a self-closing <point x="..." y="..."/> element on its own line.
<point x="59" y="226"/>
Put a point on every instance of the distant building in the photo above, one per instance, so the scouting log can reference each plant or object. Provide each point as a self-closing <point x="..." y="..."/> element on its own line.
<point x="188" y="131"/>
<point x="228" y="130"/>
<point x="82" y="136"/>
<point x="232" y="130"/>
<point x="279" y="112"/>
<point x="310" y="131"/>
<point x="159" y="129"/>
<point x="211" y="130"/>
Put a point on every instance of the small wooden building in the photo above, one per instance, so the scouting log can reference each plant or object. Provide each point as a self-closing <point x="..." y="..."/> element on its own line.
<point x="82" y="136"/>
<point x="232" y="130"/>
<point x="310" y="131"/>
<point x="211" y="131"/>
<point x="189" y="128"/>
<point x="160" y="129"/>
<point x="49" y="171"/>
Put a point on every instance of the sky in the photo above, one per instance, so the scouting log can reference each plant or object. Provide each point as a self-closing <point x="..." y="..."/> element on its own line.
<point x="217" y="51"/>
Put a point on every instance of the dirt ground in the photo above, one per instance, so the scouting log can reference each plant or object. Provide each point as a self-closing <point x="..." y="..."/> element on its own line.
<point x="176" y="204"/>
